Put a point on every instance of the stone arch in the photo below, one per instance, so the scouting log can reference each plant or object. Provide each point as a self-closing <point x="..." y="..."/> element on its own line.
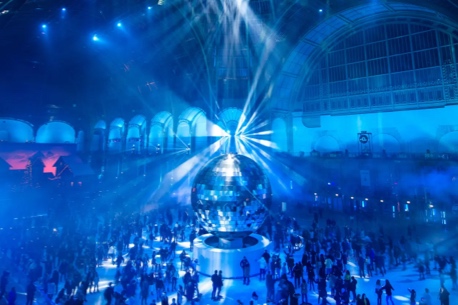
<point x="326" y="143"/>
<point x="386" y="142"/>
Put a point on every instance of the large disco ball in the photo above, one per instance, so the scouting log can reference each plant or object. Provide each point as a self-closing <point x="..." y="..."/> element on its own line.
<point x="231" y="196"/>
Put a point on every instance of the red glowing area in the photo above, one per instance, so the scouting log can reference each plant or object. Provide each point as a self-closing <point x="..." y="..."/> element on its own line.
<point x="17" y="155"/>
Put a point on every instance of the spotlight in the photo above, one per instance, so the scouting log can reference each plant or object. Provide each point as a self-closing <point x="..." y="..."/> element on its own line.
<point x="64" y="9"/>
<point x="44" y="26"/>
<point x="150" y="7"/>
<point x="95" y="38"/>
<point x="119" y="24"/>
<point x="320" y="10"/>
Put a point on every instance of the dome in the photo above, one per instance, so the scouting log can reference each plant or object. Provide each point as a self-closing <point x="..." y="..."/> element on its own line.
<point x="231" y="196"/>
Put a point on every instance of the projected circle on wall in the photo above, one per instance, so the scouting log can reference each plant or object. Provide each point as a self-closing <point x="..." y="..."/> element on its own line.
<point x="231" y="196"/>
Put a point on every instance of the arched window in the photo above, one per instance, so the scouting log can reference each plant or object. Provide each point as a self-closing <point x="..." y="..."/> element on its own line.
<point x="160" y="138"/>
<point x="136" y="132"/>
<point x="116" y="136"/>
<point x="384" y="67"/>
<point x="192" y="129"/>
<point x="99" y="136"/>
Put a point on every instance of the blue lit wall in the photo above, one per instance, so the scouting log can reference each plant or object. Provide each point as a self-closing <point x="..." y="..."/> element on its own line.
<point x="409" y="131"/>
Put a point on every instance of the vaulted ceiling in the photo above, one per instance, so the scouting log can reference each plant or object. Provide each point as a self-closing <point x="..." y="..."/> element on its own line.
<point x="51" y="66"/>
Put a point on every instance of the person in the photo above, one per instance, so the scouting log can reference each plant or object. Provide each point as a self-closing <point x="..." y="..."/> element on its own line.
<point x="266" y="256"/>
<point x="426" y="298"/>
<point x="61" y="297"/>
<point x="214" y="280"/>
<point x="298" y="274"/>
<point x="51" y="288"/>
<point x="96" y="281"/>
<point x="245" y="265"/>
<point x="119" y="260"/>
<point x="378" y="292"/>
<point x="254" y="298"/>
<point x="311" y="278"/>
<point x="195" y="280"/>
<point x="164" y="299"/>
<point x="190" y="290"/>
<point x="144" y="290"/>
<point x="304" y="291"/>
<point x="173" y="302"/>
<point x="389" y="292"/>
<point x="322" y="292"/>
<point x="262" y="268"/>
<point x="421" y="270"/>
<point x="3" y="283"/>
<point x="12" y="296"/>
<point x="219" y="284"/>
<point x="413" y="296"/>
<point x="180" y="294"/>
<point x="270" y="286"/>
<point x="357" y="300"/>
<point x="109" y="292"/>
<point x="444" y="296"/>
<point x="352" y="286"/>
<point x="361" y="264"/>
<point x="30" y="293"/>
<point x="365" y="300"/>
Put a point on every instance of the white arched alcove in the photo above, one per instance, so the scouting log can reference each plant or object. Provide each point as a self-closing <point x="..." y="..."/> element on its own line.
<point x="449" y="143"/>
<point x="326" y="144"/>
<point x="385" y="142"/>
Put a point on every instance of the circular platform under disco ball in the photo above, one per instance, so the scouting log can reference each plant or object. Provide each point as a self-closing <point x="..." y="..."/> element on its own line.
<point x="231" y="196"/>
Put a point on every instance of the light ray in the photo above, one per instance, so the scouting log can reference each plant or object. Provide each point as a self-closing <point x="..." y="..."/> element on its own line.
<point x="266" y="143"/>
<point x="275" y="166"/>
<point x="261" y="133"/>
<point x="189" y="165"/>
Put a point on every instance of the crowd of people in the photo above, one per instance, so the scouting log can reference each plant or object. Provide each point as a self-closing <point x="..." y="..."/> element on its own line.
<point x="62" y="265"/>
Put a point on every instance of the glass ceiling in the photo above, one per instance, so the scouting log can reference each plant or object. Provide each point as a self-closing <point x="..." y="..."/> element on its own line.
<point x="313" y="38"/>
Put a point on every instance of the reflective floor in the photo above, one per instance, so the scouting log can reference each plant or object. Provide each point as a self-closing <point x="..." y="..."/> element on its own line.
<point x="234" y="290"/>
